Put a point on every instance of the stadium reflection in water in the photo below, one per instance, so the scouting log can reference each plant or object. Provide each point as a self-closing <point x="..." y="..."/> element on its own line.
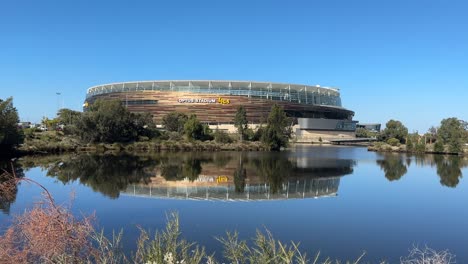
<point x="243" y="177"/>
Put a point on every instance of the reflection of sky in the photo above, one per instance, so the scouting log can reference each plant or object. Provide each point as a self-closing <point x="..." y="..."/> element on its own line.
<point x="370" y="213"/>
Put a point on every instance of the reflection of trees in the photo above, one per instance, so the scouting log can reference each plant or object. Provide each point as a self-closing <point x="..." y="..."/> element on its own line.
<point x="178" y="168"/>
<point x="107" y="174"/>
<point x="221" y="159"/>
<point x="449" y="170"/>
<point x="192" y="168"/>
<point x="171" y="169"/>
<point x="393" y="167"/>
<point x="240" y="175"/>
<point x="8" y="195"/>
<point x="274" y="168"/>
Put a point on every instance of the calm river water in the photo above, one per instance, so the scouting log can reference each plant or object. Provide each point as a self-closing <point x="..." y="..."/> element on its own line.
<point x="340" y="201"/>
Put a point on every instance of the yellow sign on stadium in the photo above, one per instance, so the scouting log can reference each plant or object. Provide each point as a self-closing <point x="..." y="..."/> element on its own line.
<point x="221" y="179"/>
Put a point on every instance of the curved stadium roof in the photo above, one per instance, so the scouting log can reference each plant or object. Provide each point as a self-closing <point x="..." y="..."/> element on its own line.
<point x="300" y="93"/>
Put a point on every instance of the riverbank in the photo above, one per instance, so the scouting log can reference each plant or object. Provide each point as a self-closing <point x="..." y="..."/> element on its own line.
<point x="425" y="149"/>
<point x="57" y="143"/>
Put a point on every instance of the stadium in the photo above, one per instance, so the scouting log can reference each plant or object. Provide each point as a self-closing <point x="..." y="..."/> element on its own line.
<point x="315" y="111"/>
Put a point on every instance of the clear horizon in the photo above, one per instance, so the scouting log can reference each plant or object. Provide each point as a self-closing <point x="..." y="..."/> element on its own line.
<point x="403" y="60"/>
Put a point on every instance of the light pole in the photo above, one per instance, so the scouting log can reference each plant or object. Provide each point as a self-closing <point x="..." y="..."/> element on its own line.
<point x="58" y="101"/>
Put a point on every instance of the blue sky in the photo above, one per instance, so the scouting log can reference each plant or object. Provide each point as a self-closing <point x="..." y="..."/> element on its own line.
<point x="406" y="60"/>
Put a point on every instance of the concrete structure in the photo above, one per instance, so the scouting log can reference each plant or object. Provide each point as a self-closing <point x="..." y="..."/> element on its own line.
<point x="313" y="109"/>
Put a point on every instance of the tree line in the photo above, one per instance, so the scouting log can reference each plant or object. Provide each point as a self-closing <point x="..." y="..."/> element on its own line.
<point x="449" y="136"/>
<point x="109" y="121"/>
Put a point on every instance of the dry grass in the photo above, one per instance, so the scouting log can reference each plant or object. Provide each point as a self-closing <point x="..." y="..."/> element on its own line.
<point x="428" y="255"/>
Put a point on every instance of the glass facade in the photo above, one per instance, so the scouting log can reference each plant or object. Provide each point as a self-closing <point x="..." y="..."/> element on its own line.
<point x="301" y="94"/>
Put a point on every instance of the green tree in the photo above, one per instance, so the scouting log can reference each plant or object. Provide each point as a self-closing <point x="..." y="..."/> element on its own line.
<point x="439" y="145"/>
<point x="241" y="122"/>
<point x="109" y="121"/>
<point x="431" y="134"/>
<point x="452" y="132"/>
<point x="10" y="134"/>
<point x="193" y="128"/>
<point x="67" y="116"/>
<point x="175" y="122"/>
<point x="395" y="129"/>
<point x="278" y="130"/>
<point x="409" y="144"/>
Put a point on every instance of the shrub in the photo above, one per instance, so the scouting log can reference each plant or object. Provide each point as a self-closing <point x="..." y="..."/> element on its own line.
<point x="222" y="137"/>
<point x="439" y="146"/>
<point x="420" y="147"/>
<point x="258" y="134"/>
<point x="409" y="144"/>
<point x="393" y="142"/>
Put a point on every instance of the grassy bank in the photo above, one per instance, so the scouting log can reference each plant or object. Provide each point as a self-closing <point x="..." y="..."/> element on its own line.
<point x="56" y="142"/>
<point x="419" y="149"/>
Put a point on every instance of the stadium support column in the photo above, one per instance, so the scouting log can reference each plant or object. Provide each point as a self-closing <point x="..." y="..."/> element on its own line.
<point x="305" y="93"/>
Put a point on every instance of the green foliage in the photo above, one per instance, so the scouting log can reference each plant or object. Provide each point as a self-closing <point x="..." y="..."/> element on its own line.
<point x="431" y="134"/>
<point x="452" y="132"/>
<point x="67" y="116"/>
<point x="362" y="133"/>
<point x="420" y="147"/>
<point x="415" y="143"/>
<point x="257" y="135"/>
<point x="109" y="121"/>
<point x="409" y="144"/>
<point x="175" y="122"/>
<point x="249" y="134"/>
<point x="207" y="133"/>
<point x="222" y="137"/>
<point x="168" y="247"/>
<point x="29" y="133"/>
<point x="10" y="134"/>
<point x="278" y="129"/>
<point x="194" y="130"/>
<point x="439" y="146"/>
<point x="394" y="129"/>
<point x="393" y="142"/>
<point x="450" y="128"/>
<point x="241" y="122"/>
